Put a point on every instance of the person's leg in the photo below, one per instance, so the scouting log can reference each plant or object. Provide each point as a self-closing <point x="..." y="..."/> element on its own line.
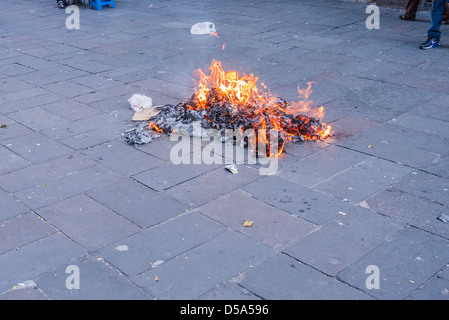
<point x="436" y="19"/>
<point x="410" y="10"/>
<point x="434" y="33"/>
<point x="446" y="13"/>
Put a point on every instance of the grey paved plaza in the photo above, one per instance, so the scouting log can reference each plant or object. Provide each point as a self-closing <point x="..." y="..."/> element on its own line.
<point x="357" y="216"/>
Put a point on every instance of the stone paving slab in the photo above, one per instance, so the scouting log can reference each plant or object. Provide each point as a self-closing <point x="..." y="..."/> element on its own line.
<point x="43" y="173"/>
<point x="10" y="207"/>
<point x="269" y="225"/>
<point x="87" y="222"/>
<point x="439" y="166"/>
<point x="336" y="160"/>
<point x="138" y="226"/>
<point x="22" y="230"/>
<point x="166" y="175"/>
<point x="11" y="161"/>
<point x="211" y="185"/>
<point x="100" y="281"/>
<point x="425" y="186"/>
<point x="36" y="258"/>
<point x="393" y="143"/>
<point x="436" y="289"/>
<point x="137" y="203"/>
<point x="42" y="195"/>
<point x="213" y="262"/>
<point x="37" y="148"/>
<point x="141" y="252"/>
<point x="372" y="176"/>
<point x="343" y="240"/>
<point x="311" y="205"/>
<point x="411" y="209"/>
<point x="399" y="261"/>
<point x="264" y="279"/>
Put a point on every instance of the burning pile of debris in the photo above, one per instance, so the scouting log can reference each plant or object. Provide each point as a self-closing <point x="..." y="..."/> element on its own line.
<point x="224" y="101"/>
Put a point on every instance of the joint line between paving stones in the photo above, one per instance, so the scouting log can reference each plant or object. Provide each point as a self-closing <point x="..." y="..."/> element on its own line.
<point x="61" y="140"/>
<point x="97" y="256"/>
<point x="422" y="285"/>
<point x="163" y="190"/>
<point x="36" y="163"/>
<point x="334" y="278"/>
<point x="421" y="197"/>
<point x="381" y="158"/>
<point x="165" y="261"/>
<point x="124" y="218"/>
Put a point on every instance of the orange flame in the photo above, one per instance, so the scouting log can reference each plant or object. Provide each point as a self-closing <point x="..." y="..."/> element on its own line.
<point x="243" y="93"/>
<point x="155" y="127"/>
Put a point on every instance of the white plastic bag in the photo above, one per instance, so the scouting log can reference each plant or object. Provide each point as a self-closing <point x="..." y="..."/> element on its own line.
<point x="203" y="28"/>
<point x="139" y="102"/>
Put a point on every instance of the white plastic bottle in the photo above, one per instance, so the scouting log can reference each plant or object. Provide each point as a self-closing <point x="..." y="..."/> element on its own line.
<point x="203" y="28"/>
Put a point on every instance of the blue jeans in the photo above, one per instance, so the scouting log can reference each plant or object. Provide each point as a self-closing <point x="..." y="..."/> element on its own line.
<point x="437" y="18"/>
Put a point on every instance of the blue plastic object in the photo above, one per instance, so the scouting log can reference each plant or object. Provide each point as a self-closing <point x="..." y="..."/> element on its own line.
<point x="98" y="4"/>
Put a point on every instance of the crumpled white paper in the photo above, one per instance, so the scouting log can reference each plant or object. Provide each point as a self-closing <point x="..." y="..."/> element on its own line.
<point x="139" y="102"/>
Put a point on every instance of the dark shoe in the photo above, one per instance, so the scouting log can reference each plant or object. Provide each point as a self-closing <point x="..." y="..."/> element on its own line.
<point x="430" y="43"/>
<point x="61" y="5"/>
<point x="404" y="18"/>
<point x="445" y="22"/>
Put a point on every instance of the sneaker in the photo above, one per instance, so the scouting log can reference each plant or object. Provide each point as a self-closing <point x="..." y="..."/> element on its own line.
<point x="61" y="5"/>
<point x="430" y="43"/>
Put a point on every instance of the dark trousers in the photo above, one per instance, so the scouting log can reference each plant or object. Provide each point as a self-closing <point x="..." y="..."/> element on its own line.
<point x="437" y="15"/>
<point x="412" y="8"/>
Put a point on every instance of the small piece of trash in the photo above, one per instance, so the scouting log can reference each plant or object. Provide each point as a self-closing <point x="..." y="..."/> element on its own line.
<point x="146" y="114"/>
<point x="342" y="213"/>
<point x="370" y="146"/>
<point x="443" y="217"/>
<point x="156" y="263"/>
<point x="3" y="125"/>
<point x="247" y="223"/>
<point x="122" y="248"/>
<point x="364" y="204"/>
<point x="139" y="102"/>
<point x="156" y="279"/>
<point x="25" y="284"/>
<point x="232" y="168"/>
<point x="203" y="28"/>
